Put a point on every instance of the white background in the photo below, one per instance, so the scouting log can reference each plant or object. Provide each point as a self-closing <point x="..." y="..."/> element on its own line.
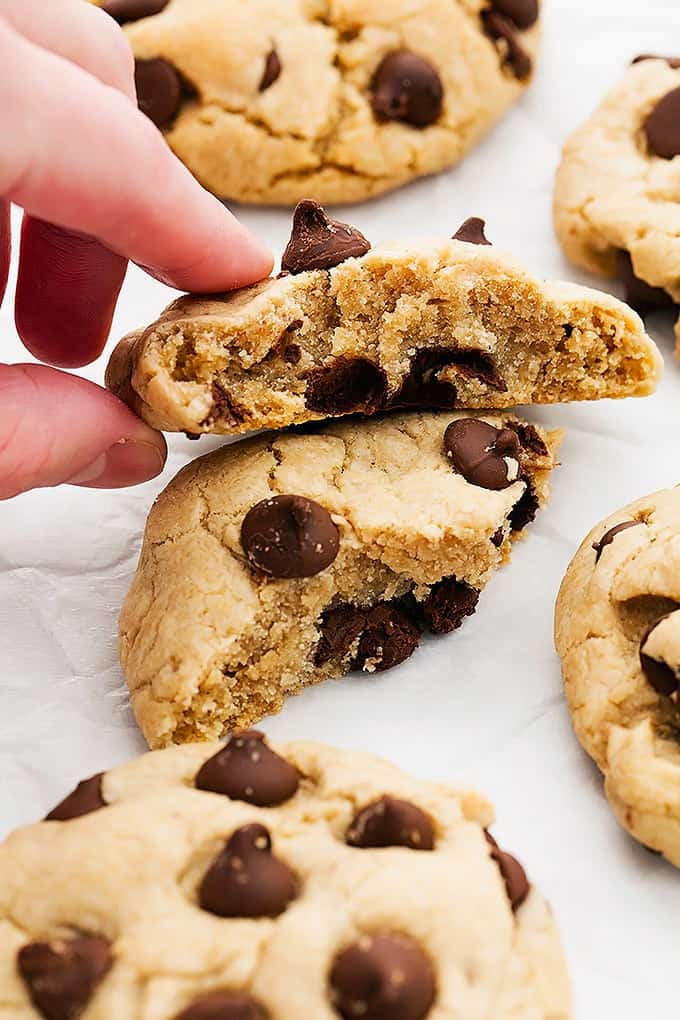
<point x="482" y="707"/>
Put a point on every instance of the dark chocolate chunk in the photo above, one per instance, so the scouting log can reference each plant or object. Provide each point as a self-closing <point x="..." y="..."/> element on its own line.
<point x="272" y="71"/>
<point x="671" y="61"/>
<point x="382" y="977"/>
<point x="224" y="407"/>
<point x="86" y="797"/>
<point x="525" y="509"/>
<point x="498" y="537"/>
<point x="423" y="388"/>
<point x="62" y="976"/>
<point x="504" y="32"/>
<point x="512" y="872"/>
<point x="224" y="1006"/>
<point x="483" y="455"/>
<point x="125" y="11"/>
<point x="391" y="822"/>
<point x="247" y="769"/>
<point x="246" y="879"/>
<point x="610" y="535"/>
<point x="389" y="637"/>
<point x="289" y="536"/>
<point x="529" y="437"/>
<point x="447" y="605"/>
<point x="406" y="87"/>
<point x="472" y="231"/>
<point x="340" y="627"/>
<point x="662" y="126"/>
<point x="474" y="364"/>
<point x="159" y="90"/>
<point x="639" y="295"/>
<point x="523" y="13"/>
<point x="318" y="242"/>
<point x="659" y="674"/>
<point x="346" y="385"/>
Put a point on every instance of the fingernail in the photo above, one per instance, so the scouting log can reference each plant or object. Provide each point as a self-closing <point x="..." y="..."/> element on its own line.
<point x="127" y="462"/>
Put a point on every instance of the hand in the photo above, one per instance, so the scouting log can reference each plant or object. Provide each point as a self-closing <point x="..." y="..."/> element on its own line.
<point x="98" y="186"/>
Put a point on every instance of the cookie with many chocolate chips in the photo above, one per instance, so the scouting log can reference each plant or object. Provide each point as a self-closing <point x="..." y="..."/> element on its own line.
<point x="291" y="558"/>
<point x="363" y="894"/>
<point x="617" y="206"/>
<point x="350" y="329"/>
<point x="618" y="634"/>
<point x="270" y="103"/>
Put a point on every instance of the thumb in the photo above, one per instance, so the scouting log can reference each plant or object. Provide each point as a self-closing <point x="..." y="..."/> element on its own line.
<point x="56" y="428"/>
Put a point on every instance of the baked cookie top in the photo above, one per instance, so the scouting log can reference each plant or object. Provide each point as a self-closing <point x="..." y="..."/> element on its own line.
<point x="618" y="635"/>
<point x="348" y="328"/>
<point x="272" y="101"/>
<point x="255" y="883"/>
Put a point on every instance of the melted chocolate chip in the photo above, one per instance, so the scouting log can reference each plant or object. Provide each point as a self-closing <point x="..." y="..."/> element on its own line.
<point x="86" y="797"/>
<point x="474" y="364"/>
<point x="498" y="537"/>
<point x="247" y="769"/>
<point x="224" y="407"/>
<point x="423" y="388"/>
<point x="382" y="977"/>
<point x="388" y="638"/>
<point x="472" y="231"/>
<point x="659" y="674"/>
<point x="503" y="31"/>
<point x="671" y="61"/>
<point x="610" y="535"/>
<point x="346" y="385"/>
<point x="529" y="437"/>
<point x="224" y="1006"/>
<point x="246" y="879"/>
<point x="391" y="822"/>
<point x="512" y="872"/>
<point x="447" y="605"/>
<point x="159" y="90"/>
<point x="407" y="88"/>
<point x="662" y="126"/>
<point x="483" y="455"/>
<point x="289" y="536"/>
<point x="639" y="295"/>
<point x="272" y="71"/>
<point x="61" y="977"/>
<point x="125" y="11"/>
<point x="525" y="509"/>
<point x="318" y="242"/>
<point x="340" y="628"/>
<point x="523" y="13"/>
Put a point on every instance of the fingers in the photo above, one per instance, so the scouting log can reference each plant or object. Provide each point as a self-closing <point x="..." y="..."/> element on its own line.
<point x="58" y="428"/>
<point x="5" y="246"/>
<point x="66" y="294"/>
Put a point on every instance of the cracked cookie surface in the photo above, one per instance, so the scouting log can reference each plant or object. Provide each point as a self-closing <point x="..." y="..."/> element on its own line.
<point x="162" y="903"/>
<point x="352" y="329"/>
<point x="272" y="101"/>
<point x="618" y="635"/>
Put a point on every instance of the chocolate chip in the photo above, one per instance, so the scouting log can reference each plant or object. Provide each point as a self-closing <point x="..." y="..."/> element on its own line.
<point x="346" y="385"/>
<point x="61" y="977"/>
<point x="474" y="364"/>
<point x="289" y="536"/>
<point x="423" y="388"/>
<point x="193" y="436"/>
<point x="483" y="455"/>
<point x="340" y="628"/>
<point x="610" y="535"/>
<point x="159" y="90"/>
<point x="272" y="70"/>
<point x="512" y="872"/>
<point x="568" y="330"/>
<point x="472" y="231"/>
<point x="671" y="61"/>
<point x="498" y="537"/>
<point x="389" y="637"/>
<point x="318" y="242"/>
<point x="382" y="977"/>
<point x="86" y="797"/>
<point x="391" y="822"/>
<point x="224" y="407"/>
<point x="447" y="605"/>
<point x="246" y="879"/>
<point x="662" y="126"/>
<point x="503" y="31"/>
<point x="639" y="295"/>
<point x="659" y="674"/>
<point x="247" y="769"/>
<point x="523" y="13"/>
<point x="224" y="1006"/>
<point x="525" y="509"/>
<point x="407" y="88"/>
<point x="125" y="11"/>
<point x="285" y="348"/>
<point x="529" y="437"/>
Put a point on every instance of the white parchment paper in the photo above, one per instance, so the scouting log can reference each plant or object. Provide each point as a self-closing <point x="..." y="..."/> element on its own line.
<point x="483" y="707"/>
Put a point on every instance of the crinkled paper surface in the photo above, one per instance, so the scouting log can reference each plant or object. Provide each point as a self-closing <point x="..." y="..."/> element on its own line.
<point x="482" y="707"/>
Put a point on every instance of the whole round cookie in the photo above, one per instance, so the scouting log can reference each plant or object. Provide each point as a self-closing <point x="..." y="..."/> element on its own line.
<point x="242" y="882"/>
<point x="618" y="635"/>
<point x="617" y="194"/>
<point x="271" y="101"/>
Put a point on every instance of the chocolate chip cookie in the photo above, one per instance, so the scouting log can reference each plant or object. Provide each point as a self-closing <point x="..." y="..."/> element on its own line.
<point x="288" y="559"/>
<point x="350" y="329"/>
<point x="617" y="201"/>
<point x="271" y="102"/>
<point x="246" y="882"/>
<point x="618" y="635"/>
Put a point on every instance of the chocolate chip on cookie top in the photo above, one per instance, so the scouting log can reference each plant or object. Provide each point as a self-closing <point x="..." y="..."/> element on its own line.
<point x="62" y="976"/>
<point x="125" y="11"/>
<point x="247" y="769"/>
<point x="246" y="879"/>
<point x="289" y="536"/>
<point x="513" y="874"/>
<point x="472" y="231"/>
<point x="86" y="797"/>
<point x="407" y="88"/>
<point x="272" y="70"/>
<point x="318" y="242"/>
<point x="483" y="455"/>
<point x="662" y="126"/>
<point x="660" y="675"/>
<point x="504" y="33"/>
<point x="224" y="1006"/>
<point x="523" y="13"/>
<point x="391" y="822"/>
<point x="159" y="90"/>
<point x="382" y="977"/>
<point x="610" y="535"/>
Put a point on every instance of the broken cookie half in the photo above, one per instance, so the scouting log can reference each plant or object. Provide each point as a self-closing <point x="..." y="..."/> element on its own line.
<point x="347" y="329"/>
<point x="291" y="558"/>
